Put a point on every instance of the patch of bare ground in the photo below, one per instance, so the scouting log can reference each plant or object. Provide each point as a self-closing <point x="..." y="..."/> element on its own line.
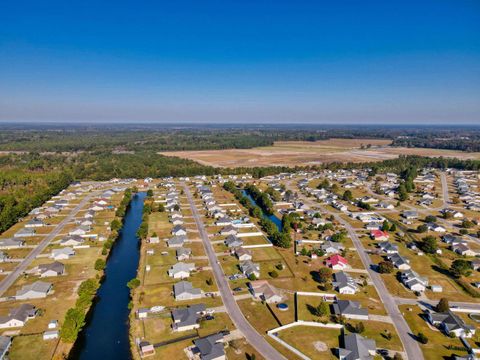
<point x="291" y="153"/>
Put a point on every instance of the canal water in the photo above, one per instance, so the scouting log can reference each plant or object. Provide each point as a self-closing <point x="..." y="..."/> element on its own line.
<point x="106" y="334"/>
<point x="273" y="218"/>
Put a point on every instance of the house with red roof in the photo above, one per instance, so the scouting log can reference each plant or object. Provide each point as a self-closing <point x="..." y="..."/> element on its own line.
<point x="379" y="235"/>
<point x="337" y="262"/>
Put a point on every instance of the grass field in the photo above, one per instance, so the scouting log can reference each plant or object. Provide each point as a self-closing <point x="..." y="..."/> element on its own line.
<point x="311" y="153"/>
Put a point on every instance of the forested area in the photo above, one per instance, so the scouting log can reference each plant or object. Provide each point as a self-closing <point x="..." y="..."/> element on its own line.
<point x="21" y="190"/>
<point x="165" y="137"/>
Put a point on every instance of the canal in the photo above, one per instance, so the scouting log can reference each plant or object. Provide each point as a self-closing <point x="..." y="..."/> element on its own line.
<point x="273" y="218"/>
<point x="106" y="334"/>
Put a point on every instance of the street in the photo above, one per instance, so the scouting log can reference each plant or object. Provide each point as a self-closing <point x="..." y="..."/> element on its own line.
<point x="13" y="276"/>
<point x="257" y="341"/>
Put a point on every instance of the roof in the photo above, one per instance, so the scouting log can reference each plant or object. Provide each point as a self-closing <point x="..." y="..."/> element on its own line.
<point x="185" y="287"/>
<point x="348" y="307"/>
<point x="357" y="347"/>
<point x="37" y="286"/>
<point x="451" y="321"/>
<point x="56" y="266"/>
<point x="21" y="313"/>
<point x="336" y="259"/>
<point x="188" y="316"/>
<point x="210" y="347"/>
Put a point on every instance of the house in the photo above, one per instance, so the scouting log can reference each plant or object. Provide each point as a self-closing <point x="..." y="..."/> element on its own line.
<point x="146" y="349"/>
<point x="223" y="221"/>
<point x="154" y="240"/>
<point x="399" y="261"/>
<point x="388" y="247"/>
<point x="337" y="262"/>
<point x="228" y="230"/>
<point x="53" y="269"/>
<point x="177" y="241"/>
<point x="181" y="270"/>
<point x="177" y="221"/>
<point x="250" y="268"/>
<point x="243" y="254"/>
<point x="263" y="290"/>
<point x="435" y="227"/>
<point x="453" y="213"/>
<point x="379" y="235"/>
<point x="210" y="347"/>
<point x="330" y="247"/>
<point x="183" y="253"/>
<point x="34" y="223"/>
<point x="62" y="254"/>
<point x="233" y="241"/>
<point x="410" y="214"/>
<point x="179" y="230"/>
<point x="450" y="323"/>
<point x="3" y="257"/>
<point x="385" y="205"/>
<point x="184" y="290"/>
<point x="463" y="249"/>
<point x="5" y="343"/>
<point x="350" y="309"/>
<point x="50" y="335"/>
<point x="18" y="316"/>
<point x="356" y="347"/>
<point x="11" y="243"/>
<point x="37" y="290"/>
<point x="475" y="263"/>
<point x="413" y="281"/>
<point x="344" y="283"/>
<point x="373" y="226"/>
<point x="452" y="239"/>
<point x="25" y="232"/>
<point x="188" y="318"/>
<point x="72" y="240"/>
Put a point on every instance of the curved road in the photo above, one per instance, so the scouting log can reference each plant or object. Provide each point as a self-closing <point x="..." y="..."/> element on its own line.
<point x="257" y="341"/>
<point x="410" y="345"/>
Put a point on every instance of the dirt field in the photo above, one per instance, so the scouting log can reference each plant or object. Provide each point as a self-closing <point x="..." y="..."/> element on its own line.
<point x="311" y="153"/>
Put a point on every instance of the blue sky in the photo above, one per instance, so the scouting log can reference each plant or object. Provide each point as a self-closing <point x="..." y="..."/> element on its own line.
<point x="241" y="61"/>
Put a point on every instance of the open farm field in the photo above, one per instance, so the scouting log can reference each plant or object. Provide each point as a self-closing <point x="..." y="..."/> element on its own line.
<point x="290" y="153"/>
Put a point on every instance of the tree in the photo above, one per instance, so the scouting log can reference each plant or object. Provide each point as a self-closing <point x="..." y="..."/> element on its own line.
<point x="386" y="225"/>
<point x="161" y="208"/>
<point x="149" y="193"/>
<point x="429" y="244"/>
<point x="324" y="275"/>
<point x="422" y="228"/>
<point x="385" y="267"/>
<point x="393" y="228"/>
<point x="209" y="282"/>
<point x="100" y="264"/>
<point x="402" y="192"/>
<point x="347" y="195"/>
<point x="467" y="224"/>
<point x="430" y="218"/>
<point x="322" y="309"/>
<point x="397" y="356"/>
<point x="273" y="274"/>
<point x="422" y="338"/>
<point x="460" y="267"/>
<point x="115" y="225"/>
<point x="442" y="305"/>
<point x="133" y="284"/>
<point x="73" y="323"/>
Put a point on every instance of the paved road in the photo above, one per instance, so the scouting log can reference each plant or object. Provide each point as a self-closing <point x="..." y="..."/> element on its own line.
<point x="410" y="345"/>
<point x="253" y="337"/>
<point x="13" y="276"/>
<point x="446" y="197"/>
